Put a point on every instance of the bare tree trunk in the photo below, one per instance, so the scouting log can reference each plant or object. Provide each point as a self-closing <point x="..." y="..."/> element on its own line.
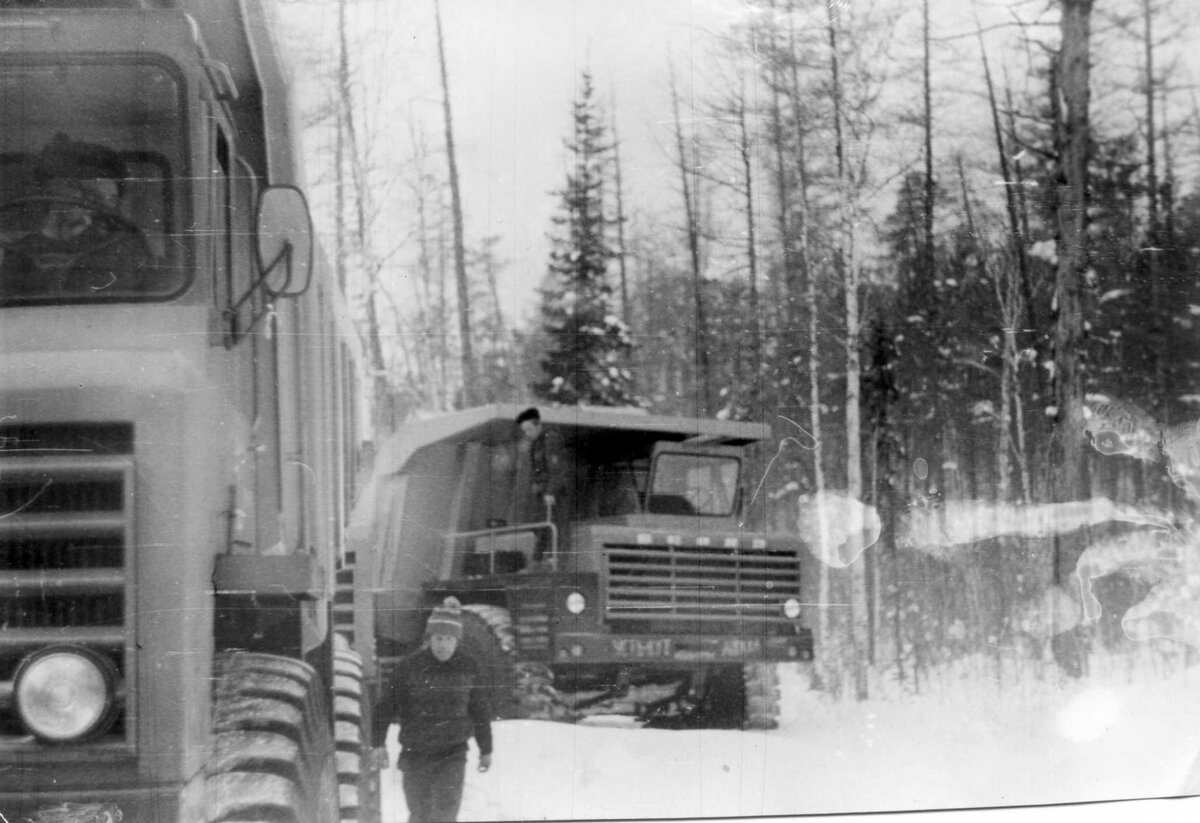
<point x="1153" y="233"/>
<point x="425" y="336"/>
<point x="874" y="559"/>
<point x="429" y="345"/>
<point x="999" y="279"/>
<point x="1024" y="288"/>
<point x="342" y="110"/>
<point x="1151" y="125"/>
<point x="1167" y="199"/>
<point x="781" y="293"/>
<point x="746" y="151"/>
<point x="490" y="269"/>
<point x="466" y="353"/>
<point x="844" y="260"/>
<point x="623" y="269"/>
<point x="927" y="118"/>
<point x="1070" y="102"/>
<point x="347" y="133"/>
<point x="1009" y="298"/>
<point x="502" y="340"/>
<point x="1013" y="191"/>
<point x="691" y="209"/>
<point x="1072" y="133"/>
<point x="444" y="388"/>
<point x="1021" y="220"/>
<point x="808" y="275"/>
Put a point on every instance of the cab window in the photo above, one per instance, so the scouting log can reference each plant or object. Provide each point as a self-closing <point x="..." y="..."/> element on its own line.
<point x="684" y="483"/>
<point x="91" y="166"/>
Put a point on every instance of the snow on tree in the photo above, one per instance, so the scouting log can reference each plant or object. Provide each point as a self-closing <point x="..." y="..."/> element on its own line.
<point x="587" y="358"/>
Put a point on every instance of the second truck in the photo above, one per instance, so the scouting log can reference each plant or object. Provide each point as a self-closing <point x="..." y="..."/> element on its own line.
<point x="639" y="592"/>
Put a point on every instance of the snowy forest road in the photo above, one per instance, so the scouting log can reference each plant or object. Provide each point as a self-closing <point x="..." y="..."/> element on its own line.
<point x="963" y="743"/>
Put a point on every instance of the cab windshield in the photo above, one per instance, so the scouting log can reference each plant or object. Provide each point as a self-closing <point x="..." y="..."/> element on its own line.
<point x="693" y="484"/>
<point x="90" y="158"/>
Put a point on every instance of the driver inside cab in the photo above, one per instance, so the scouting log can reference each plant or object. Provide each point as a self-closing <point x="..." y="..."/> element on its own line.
<point x="78" y="239"/>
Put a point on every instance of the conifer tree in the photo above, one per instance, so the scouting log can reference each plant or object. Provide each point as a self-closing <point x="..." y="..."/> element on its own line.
<point x="588" y="345"/>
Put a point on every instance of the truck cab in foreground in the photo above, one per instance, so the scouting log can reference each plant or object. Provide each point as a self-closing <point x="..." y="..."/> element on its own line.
<point x="179" y="430"/>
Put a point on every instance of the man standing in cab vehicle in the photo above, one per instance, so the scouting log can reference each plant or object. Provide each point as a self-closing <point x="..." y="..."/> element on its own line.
<point x="541" y="477"/>
<point x="437" y="696"/>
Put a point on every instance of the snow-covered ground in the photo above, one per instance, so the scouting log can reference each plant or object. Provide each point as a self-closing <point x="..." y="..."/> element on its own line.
<point x="962" y="743"/>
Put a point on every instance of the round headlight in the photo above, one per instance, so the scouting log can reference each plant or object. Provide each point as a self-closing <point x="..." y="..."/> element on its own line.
<point x="576" y="602"/>
<point x="64" y="693"/>
<point x="791" y="608"/>
<point x="1109" y="442"/>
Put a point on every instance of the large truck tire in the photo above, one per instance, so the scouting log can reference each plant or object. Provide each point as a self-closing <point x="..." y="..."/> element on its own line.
<point x="273" y="749"/>
<point x="516" y="688"/>
<point x="358" y="785"/>
<point x="762" y="696"/>
<point x="484" y="639"/>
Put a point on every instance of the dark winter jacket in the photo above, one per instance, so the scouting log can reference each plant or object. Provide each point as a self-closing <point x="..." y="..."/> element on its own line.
<point x="543" y="466"/>
<point x="439" y="706"/>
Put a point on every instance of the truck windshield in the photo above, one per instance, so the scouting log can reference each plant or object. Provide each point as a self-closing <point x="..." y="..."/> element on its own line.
<point x="693" y="484"/>
<point x="91" y="155"/>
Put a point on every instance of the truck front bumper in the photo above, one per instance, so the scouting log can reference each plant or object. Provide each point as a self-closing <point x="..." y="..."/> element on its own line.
<point x="676" y="648"/>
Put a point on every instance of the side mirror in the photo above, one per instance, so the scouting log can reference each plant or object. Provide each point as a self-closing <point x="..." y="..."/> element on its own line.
<point x="284" y="239"/>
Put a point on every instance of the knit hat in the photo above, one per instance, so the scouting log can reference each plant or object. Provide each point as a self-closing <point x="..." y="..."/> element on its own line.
<point x="446" y="619"/>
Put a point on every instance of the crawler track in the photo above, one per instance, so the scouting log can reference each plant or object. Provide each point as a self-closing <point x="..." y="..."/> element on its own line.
<point x="761" y="702"/>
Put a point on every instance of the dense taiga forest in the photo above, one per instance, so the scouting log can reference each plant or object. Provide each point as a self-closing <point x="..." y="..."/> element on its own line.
<point x="948" y="251"/>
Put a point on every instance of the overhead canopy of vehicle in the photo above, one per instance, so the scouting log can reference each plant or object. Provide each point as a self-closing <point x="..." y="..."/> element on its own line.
<point x="494" y="424"/>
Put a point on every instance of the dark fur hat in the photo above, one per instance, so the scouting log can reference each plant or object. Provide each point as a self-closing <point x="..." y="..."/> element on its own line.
<point x="530" y="413"/>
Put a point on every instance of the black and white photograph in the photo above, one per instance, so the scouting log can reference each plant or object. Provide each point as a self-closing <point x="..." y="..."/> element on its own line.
<point x="610" y="410"/>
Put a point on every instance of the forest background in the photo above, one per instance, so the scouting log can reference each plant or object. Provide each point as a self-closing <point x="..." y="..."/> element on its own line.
<point x="947" y="251"/>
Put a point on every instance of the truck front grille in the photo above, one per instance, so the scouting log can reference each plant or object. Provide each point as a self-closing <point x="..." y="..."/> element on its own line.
<point x="66" y="537"/>
<point x="659" y="580"/>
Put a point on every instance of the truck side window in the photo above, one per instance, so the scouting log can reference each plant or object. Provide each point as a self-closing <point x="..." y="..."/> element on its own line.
<point x="222" y="217"/>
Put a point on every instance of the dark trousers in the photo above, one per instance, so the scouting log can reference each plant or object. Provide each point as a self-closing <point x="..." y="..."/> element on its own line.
<point x="433" y="785"/>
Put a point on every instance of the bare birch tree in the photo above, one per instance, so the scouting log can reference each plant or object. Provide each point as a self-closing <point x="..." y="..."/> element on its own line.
<point x="687" y="163"/>
<point x="466" y="352"/>
<point x="848" y="275"/>
<point x="1070" y="102"/>
<point x="1009" y="277"/>
<point x="619" y="196"/>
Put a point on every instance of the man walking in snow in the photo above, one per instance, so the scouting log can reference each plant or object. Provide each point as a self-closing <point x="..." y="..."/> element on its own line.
<point x="438" y="698"/>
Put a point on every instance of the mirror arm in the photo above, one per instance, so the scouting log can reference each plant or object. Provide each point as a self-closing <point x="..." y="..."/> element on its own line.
<point x="286" y="252"/>
<point x="259" y="284"/>
<point x="285" y="257"/>
<point x="254" y="287"/>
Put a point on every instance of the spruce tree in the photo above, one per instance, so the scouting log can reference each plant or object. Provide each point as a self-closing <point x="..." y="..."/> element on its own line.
<point x="588" y="345"/>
